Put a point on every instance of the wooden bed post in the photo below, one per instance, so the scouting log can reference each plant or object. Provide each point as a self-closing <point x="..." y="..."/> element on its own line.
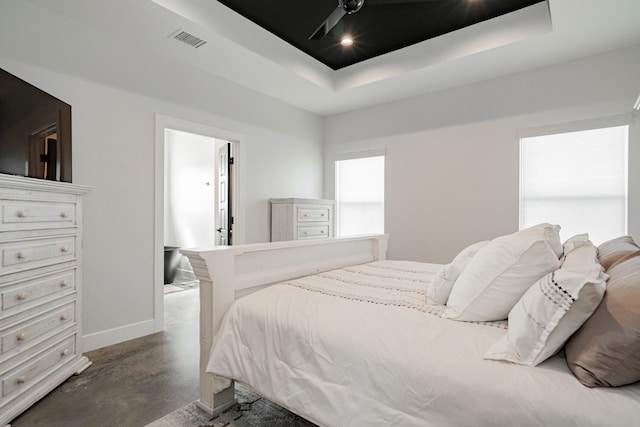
<point x="229" y="272"/>
<point x="214" y="300"/>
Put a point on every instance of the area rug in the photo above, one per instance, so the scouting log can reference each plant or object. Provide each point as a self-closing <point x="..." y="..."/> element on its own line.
<point x="252" y="410"/>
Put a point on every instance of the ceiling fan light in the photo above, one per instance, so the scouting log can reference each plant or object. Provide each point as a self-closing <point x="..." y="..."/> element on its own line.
<point x="346" y="41"/>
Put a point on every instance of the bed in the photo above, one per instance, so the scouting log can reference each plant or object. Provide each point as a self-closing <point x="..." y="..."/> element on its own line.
<point x="337" y="334"/>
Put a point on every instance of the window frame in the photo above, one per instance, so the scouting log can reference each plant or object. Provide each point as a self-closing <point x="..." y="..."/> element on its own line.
<point x="578" y="126"/>
<point x="353" y="155"/>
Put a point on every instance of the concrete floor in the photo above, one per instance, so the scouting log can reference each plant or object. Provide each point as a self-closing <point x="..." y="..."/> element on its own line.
<point x="132" y="383"/>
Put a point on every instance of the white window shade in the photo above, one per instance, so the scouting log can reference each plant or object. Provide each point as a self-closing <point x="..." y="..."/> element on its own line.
<point x="360" y="196"/>
<point x="577" y="180"/>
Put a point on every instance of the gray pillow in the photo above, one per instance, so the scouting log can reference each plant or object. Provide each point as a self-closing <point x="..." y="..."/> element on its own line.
<point x="605" y="351"/>
<point x="614" y="249"/>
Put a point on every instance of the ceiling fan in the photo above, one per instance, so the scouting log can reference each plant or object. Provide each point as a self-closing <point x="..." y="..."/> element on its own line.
<point x="349" y="7"/>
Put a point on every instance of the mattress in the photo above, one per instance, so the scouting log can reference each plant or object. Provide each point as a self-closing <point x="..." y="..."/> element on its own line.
<point x="360" y="346"/>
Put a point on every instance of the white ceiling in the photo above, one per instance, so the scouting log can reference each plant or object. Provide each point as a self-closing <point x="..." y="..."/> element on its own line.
<point x="241" y="52"/>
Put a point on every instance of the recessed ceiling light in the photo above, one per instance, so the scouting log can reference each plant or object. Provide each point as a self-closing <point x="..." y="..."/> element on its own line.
<point x="346" y="41"/>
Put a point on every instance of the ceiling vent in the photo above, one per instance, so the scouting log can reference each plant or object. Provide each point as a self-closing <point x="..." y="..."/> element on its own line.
<point x="186" y="38"/>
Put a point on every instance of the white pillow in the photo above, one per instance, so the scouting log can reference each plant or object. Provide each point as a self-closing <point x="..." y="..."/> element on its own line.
<point x="551" y="232"/>
<point x="439" y="288"/>
<point x="552" y="310"/>
<point x="501" y="272"/>
<point x="575" y="242"/>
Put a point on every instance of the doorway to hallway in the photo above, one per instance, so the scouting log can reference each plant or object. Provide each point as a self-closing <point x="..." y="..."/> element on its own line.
<point x="197" y="203"/>
<point x="197" y="198"/>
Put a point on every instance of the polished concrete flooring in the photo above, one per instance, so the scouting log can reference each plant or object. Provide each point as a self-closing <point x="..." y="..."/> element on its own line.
<point x="133" y="383"/>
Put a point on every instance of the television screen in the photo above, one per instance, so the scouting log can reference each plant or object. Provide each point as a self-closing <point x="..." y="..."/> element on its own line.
<point x="35" y="131"/>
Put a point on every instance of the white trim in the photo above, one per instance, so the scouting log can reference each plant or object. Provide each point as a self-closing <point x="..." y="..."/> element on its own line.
<point x="120" y="334"/>
<point x="239" y="140"/>
<point x="578" y="125"/>
<point x="359" y="154"/>
<point x="520" y="184"/>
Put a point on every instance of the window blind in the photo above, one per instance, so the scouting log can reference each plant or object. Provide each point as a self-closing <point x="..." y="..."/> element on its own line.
<point x="576" y="179"/>
<point x="360" y="196"/>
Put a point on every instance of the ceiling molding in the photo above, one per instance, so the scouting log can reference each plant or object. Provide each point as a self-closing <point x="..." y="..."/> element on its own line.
<point x="241" y="52"/>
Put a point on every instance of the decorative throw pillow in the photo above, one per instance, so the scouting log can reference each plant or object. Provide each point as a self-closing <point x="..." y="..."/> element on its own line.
<point x="605" y="351"/>
<point x="440" y="286"/>
<point x="575" y="242"/>
<point x="501" y="272"/>
<point x="552" y="310"/>
<point x="614" y="249"/>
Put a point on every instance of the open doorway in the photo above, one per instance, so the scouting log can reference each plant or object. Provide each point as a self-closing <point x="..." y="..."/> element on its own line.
<point x="197" y="203"/>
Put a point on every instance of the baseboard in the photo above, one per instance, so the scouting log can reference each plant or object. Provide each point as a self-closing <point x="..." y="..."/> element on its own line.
<point x="117" y="335"/>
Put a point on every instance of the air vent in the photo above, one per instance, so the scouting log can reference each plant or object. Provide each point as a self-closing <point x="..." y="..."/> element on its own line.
<point x="186" y="38"/>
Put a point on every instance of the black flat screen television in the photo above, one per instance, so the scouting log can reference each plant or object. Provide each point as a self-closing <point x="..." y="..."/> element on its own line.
<point x="35" y="131"/>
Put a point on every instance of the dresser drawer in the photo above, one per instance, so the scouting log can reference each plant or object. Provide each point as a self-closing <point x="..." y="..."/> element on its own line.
<point x="313" y="232"/>
<point x="26" y="214"/>
<point x="34" y="253"/>
<point x="31" y="332"/>
<point x="37" y="290"/>
<point x="314" y="214"/>
<point x="21" y="378"/>
<point x="294" y="219"/>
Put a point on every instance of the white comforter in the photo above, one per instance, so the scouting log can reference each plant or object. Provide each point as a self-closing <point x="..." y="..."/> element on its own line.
<point x="360" y="347"/>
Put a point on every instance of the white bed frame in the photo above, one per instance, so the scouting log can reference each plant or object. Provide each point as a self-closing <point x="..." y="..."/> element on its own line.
<point x="227" y="273"/>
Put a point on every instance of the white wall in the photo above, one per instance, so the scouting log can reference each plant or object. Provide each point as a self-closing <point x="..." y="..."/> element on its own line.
<point x="452" y="157"/>
<point x="114" y="152"/>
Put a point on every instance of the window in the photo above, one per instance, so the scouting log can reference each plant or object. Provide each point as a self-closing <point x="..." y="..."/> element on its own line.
<point x="576" y="179"/>
<point x="360" y="196"/>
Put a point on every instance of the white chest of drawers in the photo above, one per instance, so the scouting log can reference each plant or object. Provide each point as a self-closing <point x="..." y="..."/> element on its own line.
<point x="40" y="289"/>
<point x="299" y="219"/>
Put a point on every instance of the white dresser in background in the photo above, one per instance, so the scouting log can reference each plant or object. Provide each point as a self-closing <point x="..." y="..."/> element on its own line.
<point x="298" y="219"/>
<point x="40" y="289"/>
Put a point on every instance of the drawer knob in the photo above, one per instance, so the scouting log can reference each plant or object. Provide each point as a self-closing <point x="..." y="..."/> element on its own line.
<point x="21" y="296"/>
<point x="63" y="214"/>
<point x="21" y="336"/>
<point x="21" y="379"/>
<point x="65" y="352"/>
<point x="20" y="214"/>
<point x="63" y="283"/>
<point x="321" y="214"/>
<point x="64" y="316"/>
<point x="20" y="255"/>
<point x="321" y="231"/>
<point x="63" y="249"/>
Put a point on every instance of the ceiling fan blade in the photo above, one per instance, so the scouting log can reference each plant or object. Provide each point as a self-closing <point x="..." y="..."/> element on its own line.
<point x="328" y="24"/>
